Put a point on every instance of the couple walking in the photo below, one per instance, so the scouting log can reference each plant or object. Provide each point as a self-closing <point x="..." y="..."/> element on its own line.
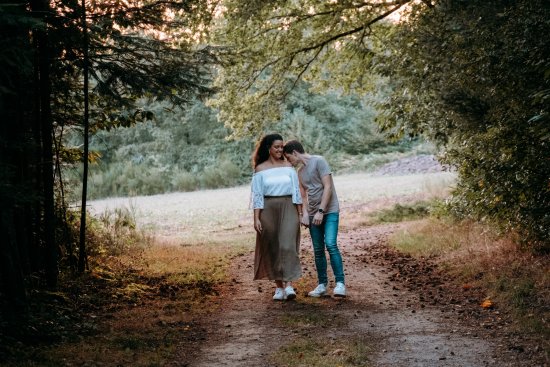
<point x="282" y="199"/>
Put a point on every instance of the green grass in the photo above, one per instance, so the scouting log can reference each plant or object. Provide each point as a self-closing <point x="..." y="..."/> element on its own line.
<point x="515" y="279"/>
<point x="349" y="352"/>
<point x="403" y="212"/>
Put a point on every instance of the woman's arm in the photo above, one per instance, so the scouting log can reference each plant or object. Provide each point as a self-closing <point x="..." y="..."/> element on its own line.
<point x="257" y="222"/>
<point x="304" y="218"/>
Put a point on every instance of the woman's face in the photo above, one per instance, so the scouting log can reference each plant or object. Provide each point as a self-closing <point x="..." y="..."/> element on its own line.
<point x="276" y="149"/>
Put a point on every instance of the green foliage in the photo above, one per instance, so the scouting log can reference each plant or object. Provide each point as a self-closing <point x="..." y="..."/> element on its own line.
<point x="272" y="45"/>
<point x="474" y="76"/>
<point x="403" y="212"/>
<point x="185" y="150"/>
<point x="115" y="233"/>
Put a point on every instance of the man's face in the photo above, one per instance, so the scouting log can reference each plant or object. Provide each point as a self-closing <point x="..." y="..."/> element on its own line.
<point x="291" y="157"/>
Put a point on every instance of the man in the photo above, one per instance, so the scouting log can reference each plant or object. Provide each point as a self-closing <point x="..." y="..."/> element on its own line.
<point x="321" y="214"/>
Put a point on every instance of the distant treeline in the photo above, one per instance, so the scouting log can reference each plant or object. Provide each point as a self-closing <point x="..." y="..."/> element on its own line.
<point x="186" y="150"/>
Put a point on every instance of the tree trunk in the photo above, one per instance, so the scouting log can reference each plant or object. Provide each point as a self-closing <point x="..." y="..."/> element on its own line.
<point x="15" y="102"/>
<point x="51" y="250"/>
<point x="82" y="249"/>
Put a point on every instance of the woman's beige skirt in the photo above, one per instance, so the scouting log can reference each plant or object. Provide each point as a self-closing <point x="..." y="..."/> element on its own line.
<point x="277" y="247"/>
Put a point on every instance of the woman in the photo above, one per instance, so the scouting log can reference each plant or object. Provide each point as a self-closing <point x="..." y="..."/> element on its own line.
<point x="277" y="205"/>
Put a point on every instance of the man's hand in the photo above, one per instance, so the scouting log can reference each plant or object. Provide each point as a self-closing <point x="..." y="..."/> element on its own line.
<point x="318" y="219"/>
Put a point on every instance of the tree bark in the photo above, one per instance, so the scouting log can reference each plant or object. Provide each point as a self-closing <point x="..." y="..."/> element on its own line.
<point x="15" y="102"/>
<point x="46" y="124"/>
<point x="82" y="248"/>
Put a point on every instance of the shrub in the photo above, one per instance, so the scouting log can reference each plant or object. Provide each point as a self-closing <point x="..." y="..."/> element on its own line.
<point x="185" y="181"/>
<point x="224" y="174"/>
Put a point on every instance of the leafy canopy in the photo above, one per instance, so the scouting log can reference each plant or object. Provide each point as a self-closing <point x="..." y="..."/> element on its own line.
<point x="471" y="75"/>
<point x="474" y="76"/>
<point x="271" y="45"/>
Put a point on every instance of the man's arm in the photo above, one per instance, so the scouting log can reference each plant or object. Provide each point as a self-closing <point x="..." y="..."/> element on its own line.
<point x="325" y="198"/>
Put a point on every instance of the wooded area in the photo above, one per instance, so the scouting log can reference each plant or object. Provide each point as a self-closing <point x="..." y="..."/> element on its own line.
<point x="470" y="76"/>
<point x="129" y="50"/>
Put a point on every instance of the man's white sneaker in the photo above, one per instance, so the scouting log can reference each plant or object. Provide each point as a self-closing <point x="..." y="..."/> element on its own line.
<point x="339" y="290"/>
<point x="279" y="294"/>
<point x="289" y="293"/>
<point x="319" y="291"/>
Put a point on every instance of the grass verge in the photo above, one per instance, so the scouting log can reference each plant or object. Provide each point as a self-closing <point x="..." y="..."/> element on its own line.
<point x="141" y="301"/>
<point x="516" y="280"/>
<point x="403" y="212"/>
<point x="313" y="352"/>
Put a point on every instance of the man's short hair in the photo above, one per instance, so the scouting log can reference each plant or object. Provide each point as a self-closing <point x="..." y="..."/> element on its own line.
<point x="293" y="145"/>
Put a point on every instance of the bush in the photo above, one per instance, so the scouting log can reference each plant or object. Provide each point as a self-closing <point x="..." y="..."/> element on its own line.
<point x="225" y="174"/>
<point x="185" y="181"/>
<point x="474" y="77"/>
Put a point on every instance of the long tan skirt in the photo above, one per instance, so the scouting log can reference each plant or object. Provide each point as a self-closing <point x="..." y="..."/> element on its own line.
<point x="277" y="247"/>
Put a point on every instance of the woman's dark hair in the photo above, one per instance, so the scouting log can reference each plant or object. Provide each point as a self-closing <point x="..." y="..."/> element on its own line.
<point x="293" y="145"/>
<point x="261" y="153"/>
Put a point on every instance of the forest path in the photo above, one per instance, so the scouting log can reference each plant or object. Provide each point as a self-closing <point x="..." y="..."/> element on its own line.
<point x="389" y="318"/>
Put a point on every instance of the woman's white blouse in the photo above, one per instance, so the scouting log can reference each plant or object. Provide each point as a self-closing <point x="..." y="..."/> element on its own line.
<point x="280" y="181"/>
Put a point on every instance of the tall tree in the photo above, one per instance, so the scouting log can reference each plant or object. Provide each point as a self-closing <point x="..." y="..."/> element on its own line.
<point x="82" y="256"/>
<point x="16" y="143"/>
<point x="43" y="115"/>
<point x="137" y="49"/>
<point x="474" y="76"/>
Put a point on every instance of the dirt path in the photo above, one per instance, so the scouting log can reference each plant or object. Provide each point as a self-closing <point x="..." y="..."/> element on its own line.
<point x="401" y="312"/>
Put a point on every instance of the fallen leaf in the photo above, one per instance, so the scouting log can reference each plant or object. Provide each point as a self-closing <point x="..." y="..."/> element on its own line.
<point x="487" y="304"/>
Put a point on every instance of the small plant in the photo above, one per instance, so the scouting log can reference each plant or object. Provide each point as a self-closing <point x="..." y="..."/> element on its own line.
<point x="310" y="352"/>
<point x="403" y="212"/>
<point x="185" y="181"/>
<point x="115" y="233"/>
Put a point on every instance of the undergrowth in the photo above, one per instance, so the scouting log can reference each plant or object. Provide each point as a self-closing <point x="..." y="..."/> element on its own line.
<point x="308" y="351"/>
<point x="403" y="212"/>
<point x="135" y="304"/>
<point x="517" y="280"/>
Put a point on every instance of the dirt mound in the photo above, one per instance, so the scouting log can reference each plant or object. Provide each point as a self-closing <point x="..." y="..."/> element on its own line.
<point x="423" y="163"/>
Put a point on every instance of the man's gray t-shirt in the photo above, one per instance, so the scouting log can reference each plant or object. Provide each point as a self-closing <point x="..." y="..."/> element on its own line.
<point x="311" y="178"/>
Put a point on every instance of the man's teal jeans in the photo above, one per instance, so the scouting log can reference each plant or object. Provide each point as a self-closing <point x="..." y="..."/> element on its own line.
<point x="325" y="236"/>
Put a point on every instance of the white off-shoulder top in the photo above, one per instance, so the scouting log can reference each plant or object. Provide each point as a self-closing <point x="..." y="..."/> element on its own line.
<point x="280" y="181"/>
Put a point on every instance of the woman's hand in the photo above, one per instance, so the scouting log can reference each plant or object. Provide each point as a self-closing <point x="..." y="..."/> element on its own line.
<point x="304" y="220"/>
<point x="258" y="225"/>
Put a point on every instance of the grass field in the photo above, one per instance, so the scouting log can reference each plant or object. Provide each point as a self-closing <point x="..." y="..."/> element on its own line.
<point x="190" y="216"/>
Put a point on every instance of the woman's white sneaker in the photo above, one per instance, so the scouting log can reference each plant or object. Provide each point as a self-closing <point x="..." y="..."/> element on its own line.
<point x="279" y="294"/>
<point x="339" y="290"/>
<point x="319" y="291"/>
<point x="289" y="293"/>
